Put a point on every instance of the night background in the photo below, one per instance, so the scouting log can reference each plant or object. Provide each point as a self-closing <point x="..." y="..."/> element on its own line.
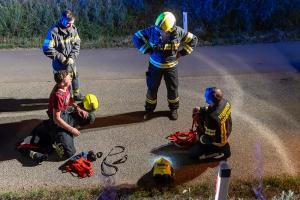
<point x="111" y="23"/>
<point x="248" y="48"/>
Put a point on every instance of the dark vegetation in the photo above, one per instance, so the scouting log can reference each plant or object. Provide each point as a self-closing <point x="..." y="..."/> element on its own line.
<point x="111" y="23"/>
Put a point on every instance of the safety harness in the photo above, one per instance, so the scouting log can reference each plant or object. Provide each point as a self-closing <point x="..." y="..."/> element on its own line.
<point x="184" y="139"/>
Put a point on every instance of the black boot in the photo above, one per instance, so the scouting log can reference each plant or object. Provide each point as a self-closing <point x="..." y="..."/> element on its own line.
<point x="148" y="114"/>
<point x="38" y="157"/>
<point x="173" y="114"/>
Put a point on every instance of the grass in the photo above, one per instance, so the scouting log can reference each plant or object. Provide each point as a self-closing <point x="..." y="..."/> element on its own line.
<point x="273" y="186"/>
<point x="125" y="41"/>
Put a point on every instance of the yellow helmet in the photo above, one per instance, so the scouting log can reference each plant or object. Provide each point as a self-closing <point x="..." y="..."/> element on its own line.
<point x="90" y="102"/>
<point x="166" y="21"/>
<point x="162" y="167"/>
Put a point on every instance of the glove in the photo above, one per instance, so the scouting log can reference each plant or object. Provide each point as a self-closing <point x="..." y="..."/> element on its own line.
<point x="70" y="61"/>
<point x="204" y="139"/>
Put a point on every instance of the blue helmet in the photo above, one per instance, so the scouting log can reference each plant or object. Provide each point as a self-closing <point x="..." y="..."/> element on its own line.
<point x="212" y="95"/>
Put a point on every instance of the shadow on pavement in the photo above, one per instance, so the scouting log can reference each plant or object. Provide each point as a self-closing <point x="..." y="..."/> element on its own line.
<point x="124" y="118"/>
<point x="11" y="133"/>
<point x="15" y="105"/>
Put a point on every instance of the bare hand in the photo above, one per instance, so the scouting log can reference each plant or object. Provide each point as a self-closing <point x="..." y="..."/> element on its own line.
<point x="75" y="132"/>
<point x="82" y="113"/>
<point x="196" y="110"/>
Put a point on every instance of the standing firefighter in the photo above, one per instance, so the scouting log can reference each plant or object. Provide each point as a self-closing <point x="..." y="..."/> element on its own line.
<point x="214" y="127"/>
<point x="165" y="42"/>
<point x="62" y="45"/>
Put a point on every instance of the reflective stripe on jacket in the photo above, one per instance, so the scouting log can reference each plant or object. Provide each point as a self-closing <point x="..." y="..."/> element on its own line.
<point x="163" y="52"/>
<point x="61" y="44"/>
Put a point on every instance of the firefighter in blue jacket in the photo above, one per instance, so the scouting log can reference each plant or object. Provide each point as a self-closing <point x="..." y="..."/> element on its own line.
<point x="165" y="42"/>
<point x="62" y="45"/>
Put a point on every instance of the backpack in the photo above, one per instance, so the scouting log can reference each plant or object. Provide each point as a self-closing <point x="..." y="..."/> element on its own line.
<point x="80" y="167"/>
<point x="184" y="139"/>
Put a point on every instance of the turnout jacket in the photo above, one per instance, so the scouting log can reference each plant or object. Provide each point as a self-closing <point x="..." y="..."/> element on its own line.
<point x="60" y="44"/>
<point x="217" y="123"/>
<point x="163" y="52"/>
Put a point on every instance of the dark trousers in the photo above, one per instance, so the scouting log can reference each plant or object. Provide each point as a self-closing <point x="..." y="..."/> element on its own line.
<point x="153" y="78"/>
<point x="65" y="138"/>
<point x="209" y="151"/>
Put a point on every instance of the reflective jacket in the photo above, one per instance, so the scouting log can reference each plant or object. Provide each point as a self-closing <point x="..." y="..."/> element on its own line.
<point x="60" y="44"/>
<point x="217" y="123"/>
<point x="163" y="52"/>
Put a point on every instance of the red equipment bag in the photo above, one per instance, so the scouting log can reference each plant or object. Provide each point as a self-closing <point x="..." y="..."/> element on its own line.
<point x="184" y="139"/>
<point x="82" y="167"/>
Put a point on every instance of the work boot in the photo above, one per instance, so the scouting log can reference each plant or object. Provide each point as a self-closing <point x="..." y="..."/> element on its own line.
<point x="148" y="114"/>
<point x="38" y="157"/>
<point x="78" y="96"/>
<point x="173" y="115"/>
<point x="59" y="149"/>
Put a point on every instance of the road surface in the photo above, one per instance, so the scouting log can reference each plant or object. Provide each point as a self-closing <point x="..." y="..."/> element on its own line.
<point x="261" y="81"/>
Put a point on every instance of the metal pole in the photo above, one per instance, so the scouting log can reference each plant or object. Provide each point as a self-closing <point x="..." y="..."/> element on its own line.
<point x="223" y="181"/>
<point x="185" y="22"/>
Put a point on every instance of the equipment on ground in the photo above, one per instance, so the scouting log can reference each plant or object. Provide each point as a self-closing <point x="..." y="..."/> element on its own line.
<point x="184" y="139"/>
<point x="90" y="102"/>
<point x="163" y="172"/>
<point x="80" y="165"/>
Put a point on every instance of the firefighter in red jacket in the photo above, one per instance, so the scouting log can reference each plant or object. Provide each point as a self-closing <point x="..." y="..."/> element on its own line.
<point x="165" y="42"/>
<point x="214" y="127"/>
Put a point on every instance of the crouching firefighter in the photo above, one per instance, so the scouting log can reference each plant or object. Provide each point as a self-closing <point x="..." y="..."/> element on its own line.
<point x="166" y="43"/>
<point x="59" y="130"/>
<point x="65" y="115"/>
<point x="214" y="126"/>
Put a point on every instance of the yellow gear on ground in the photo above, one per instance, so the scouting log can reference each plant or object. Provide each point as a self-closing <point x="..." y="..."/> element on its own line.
<point x="90" y="102"/>
<point x="166" y="21"/>
<point x="162" y="167"/>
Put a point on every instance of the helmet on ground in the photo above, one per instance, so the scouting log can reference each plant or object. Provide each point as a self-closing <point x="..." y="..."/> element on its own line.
<point x="213" y="95"/>
<point x="166" y="21"/>
<point x="163" y="172"/>
<point x="90" y="102"/>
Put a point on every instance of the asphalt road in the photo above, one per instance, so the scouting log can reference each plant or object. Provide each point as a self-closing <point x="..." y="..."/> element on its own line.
<point x="262" y="82"/>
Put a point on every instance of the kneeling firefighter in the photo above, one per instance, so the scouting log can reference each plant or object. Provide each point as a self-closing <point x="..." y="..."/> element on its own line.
<point x="43" y="138"/>
<point x="166" y="43"/>
<point x="214" y="127"/>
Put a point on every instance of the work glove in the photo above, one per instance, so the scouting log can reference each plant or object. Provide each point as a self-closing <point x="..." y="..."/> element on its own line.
<point x="70" y="61"/>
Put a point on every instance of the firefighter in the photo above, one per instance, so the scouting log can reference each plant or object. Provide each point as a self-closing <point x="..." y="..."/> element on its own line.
<point x="166" y="43"/>
<point x="65" y="115"/>
<point x="62" y="45"/>
<point x="214" y="126"/>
